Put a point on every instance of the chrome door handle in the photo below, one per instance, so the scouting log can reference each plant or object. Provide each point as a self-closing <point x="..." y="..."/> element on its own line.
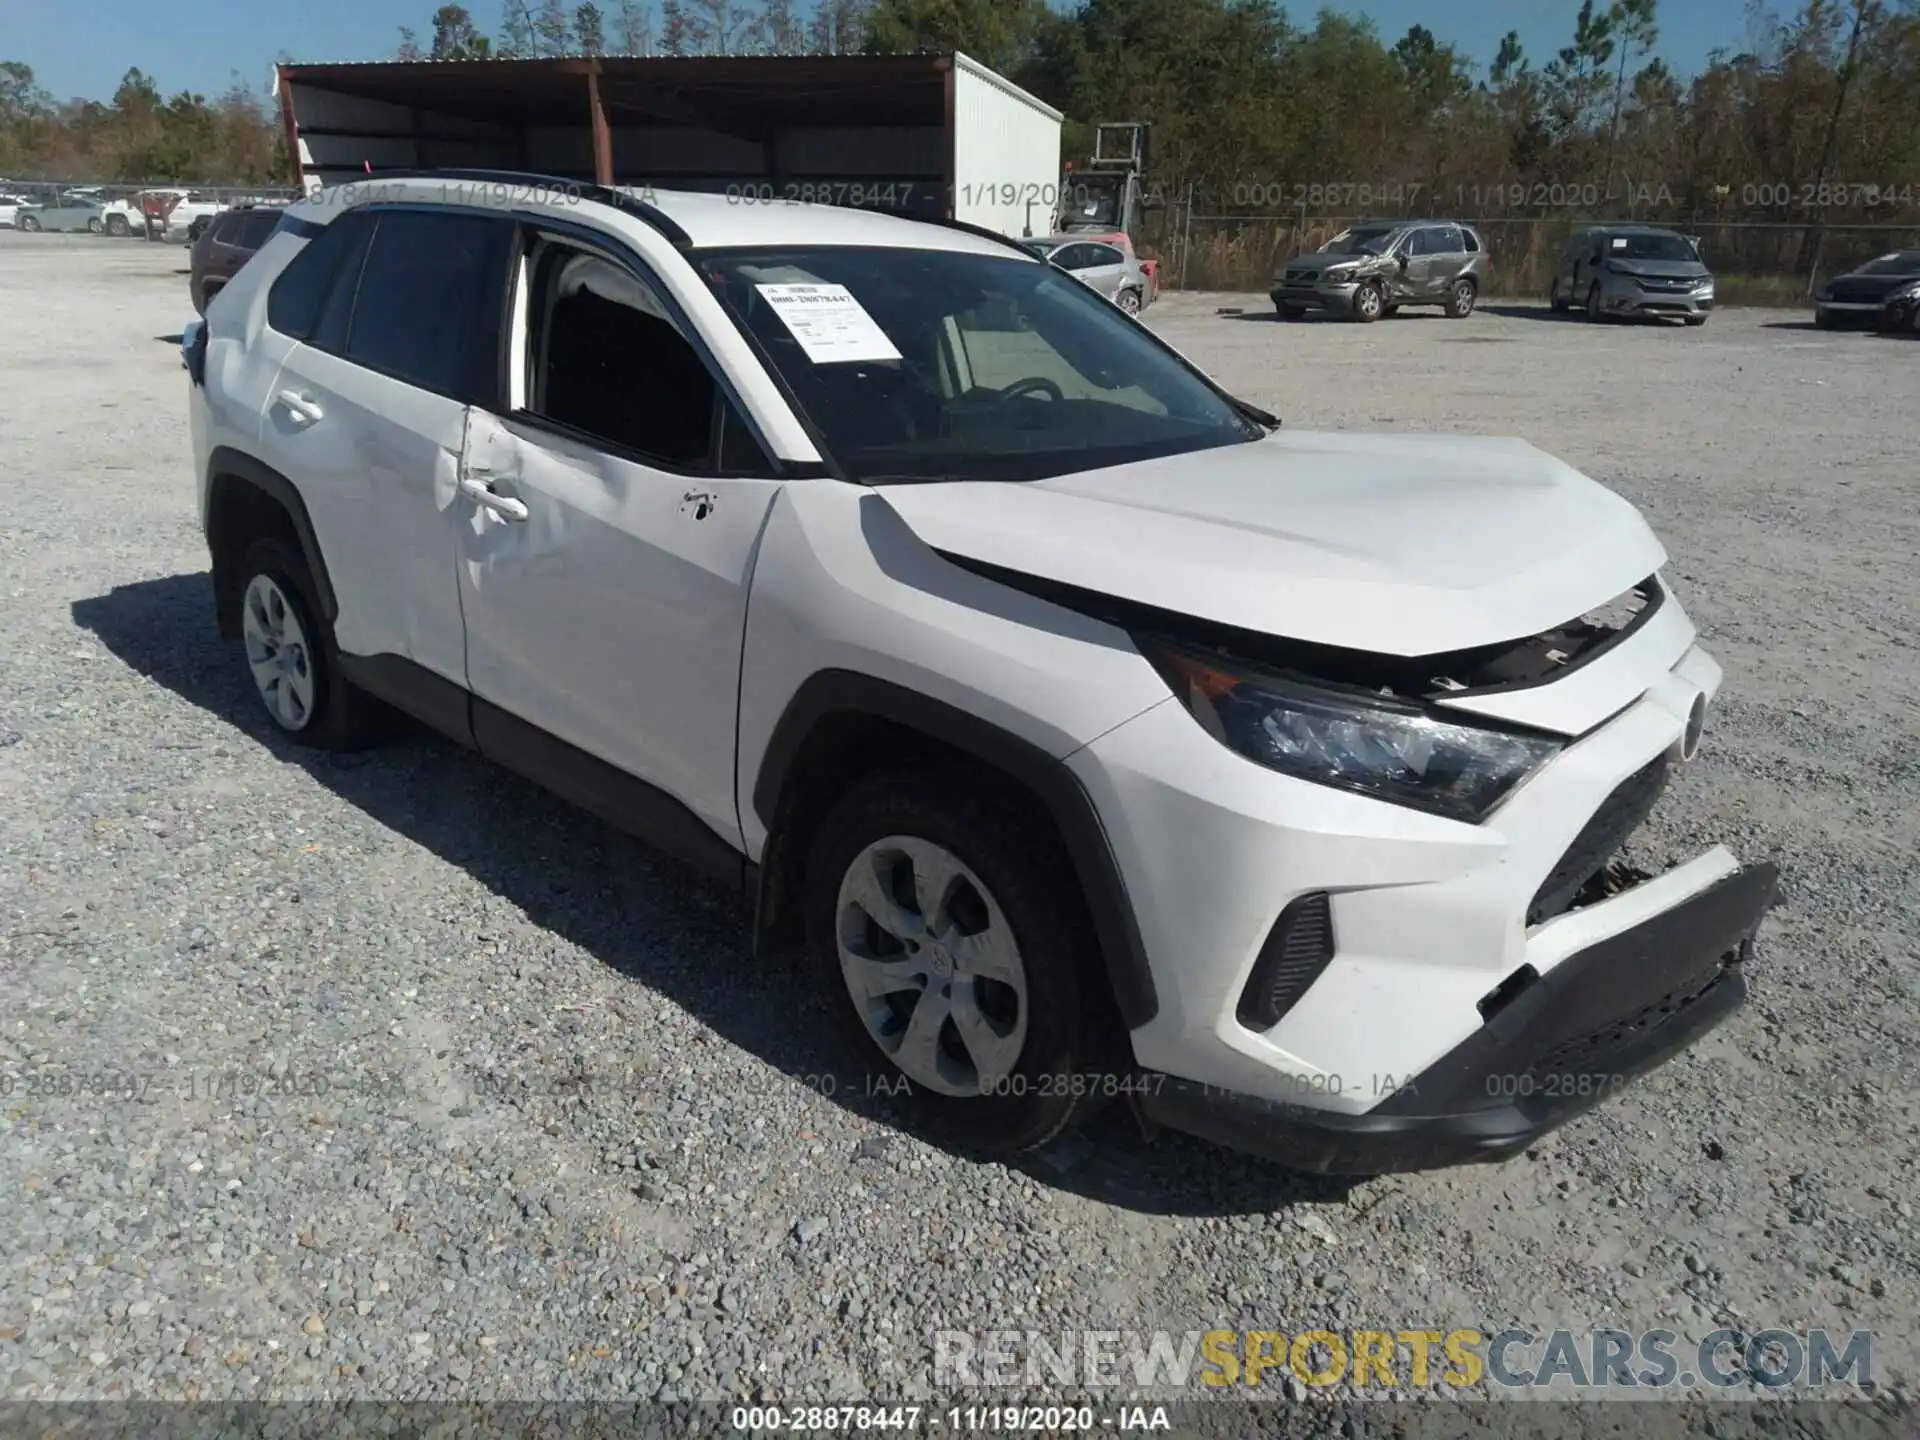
<point x="305" y="410"/>
<point x="481" y="493"/>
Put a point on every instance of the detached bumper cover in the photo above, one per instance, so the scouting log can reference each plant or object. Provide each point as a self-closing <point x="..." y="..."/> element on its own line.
<point x="1565" y="1043"/>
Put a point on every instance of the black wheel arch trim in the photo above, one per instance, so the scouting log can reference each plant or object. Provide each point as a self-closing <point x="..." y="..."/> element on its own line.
<point x="226" y="461"/>
<point x="1116" y="927"/>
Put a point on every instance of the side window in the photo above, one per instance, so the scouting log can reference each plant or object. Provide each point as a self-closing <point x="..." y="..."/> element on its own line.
<point x="1447" y="240"/>
<point x="293" y="304"/>
<point x="609" y="362"/>
<point x="1473" y="241"/>
<point x="428" y="307"/>
<point x="253" y="228"/>
<point x="1422" y="243"/>
<point x="1098" y="255"/>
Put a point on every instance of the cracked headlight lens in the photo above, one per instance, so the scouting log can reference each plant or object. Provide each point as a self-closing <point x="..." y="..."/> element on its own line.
<point x="1366" y="744"/>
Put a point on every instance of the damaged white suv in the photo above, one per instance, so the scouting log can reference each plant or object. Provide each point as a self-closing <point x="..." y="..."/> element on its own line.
<point x="1095" y="736"/>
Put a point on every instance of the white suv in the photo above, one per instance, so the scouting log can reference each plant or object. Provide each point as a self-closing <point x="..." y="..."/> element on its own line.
<point x="1092" y="734"/>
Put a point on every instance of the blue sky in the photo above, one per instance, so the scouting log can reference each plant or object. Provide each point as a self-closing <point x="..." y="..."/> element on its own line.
<point x="82" y="47"/>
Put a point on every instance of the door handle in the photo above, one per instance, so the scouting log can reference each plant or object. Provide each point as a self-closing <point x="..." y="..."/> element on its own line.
<point x="481" y="493"/>
<point x="305" y="410"/>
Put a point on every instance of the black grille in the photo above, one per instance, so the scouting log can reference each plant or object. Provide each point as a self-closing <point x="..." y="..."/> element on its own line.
<point x="1854" y="291"/>
<point x="1619" y="815"/>
<point x="1298" y="950"/>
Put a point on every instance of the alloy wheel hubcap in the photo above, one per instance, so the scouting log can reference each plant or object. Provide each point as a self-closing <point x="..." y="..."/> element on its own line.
<point x="277" y="653"/>
<point x="931" y="965"/>
<point x="1370" y="301"/>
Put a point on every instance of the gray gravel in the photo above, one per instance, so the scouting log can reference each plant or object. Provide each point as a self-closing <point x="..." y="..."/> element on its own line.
<point x="421" y="1085"/>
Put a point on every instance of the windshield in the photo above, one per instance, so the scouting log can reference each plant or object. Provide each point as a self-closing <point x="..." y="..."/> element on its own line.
<point x="943" y="365"/>
<point x="1654" y="245"/>
<point x="1359" y="242"/>
<point x="1901" y="262"/>
<point x="1090" y="202"/>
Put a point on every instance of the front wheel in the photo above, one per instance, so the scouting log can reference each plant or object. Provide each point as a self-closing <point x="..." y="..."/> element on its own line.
<point x="117" y="227"/>
<point x="26" y="223"/>
<point x="950" y="938"/>
<point x="1286" y="311"/>
<point x="1595" y="312"/>
<point x="1694" y="321"/>
<point x="1369" y="304"/>
<point x="1555" y="301"/>
<point x="1460" y="299"/>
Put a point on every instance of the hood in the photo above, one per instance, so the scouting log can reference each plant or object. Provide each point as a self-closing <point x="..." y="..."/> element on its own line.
<point x="1663" y="269"/>
<point x="1314" y="261"/>
<point x="1398" y="545"/>
<point x="1869" y="287"/>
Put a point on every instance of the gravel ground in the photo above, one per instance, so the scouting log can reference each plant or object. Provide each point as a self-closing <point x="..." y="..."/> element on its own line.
<point x="572" y="1143"/>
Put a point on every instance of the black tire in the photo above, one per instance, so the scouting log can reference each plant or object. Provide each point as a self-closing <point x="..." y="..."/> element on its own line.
<point x="1047" y="1090"/>
<point x="1369" y="303"/>
<point x="1286" y="311"/>
<point x="1129" y="301"/>
<point x="1594" y="312"/>
<point x="26" y="223"/>
<point x="1389" y="312"/>
<point x="117" y="227"/>
<point x="342" y="717"/>
<point x="1555" y="301"/>
<point x="1460" y="299"/>
<point x="1694" y="322"/>
<point x="1824" y="320"/>
<point x="94" y="227"/>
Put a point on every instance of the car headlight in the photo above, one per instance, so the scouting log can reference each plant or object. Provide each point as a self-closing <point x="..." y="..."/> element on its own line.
<point x="1701" y="286"/>
<point x="1350" y="740"/>
<point x="1338" y="272"/>
<point x="1905" y="294"/>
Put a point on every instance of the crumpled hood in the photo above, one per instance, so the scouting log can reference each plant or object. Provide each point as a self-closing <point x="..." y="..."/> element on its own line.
<point x="1313" y="262"/>
<point x="1400" y="545"/>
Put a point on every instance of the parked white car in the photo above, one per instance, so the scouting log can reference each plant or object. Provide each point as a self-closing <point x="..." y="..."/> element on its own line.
<point x="1094" y="736"/>
<point x="9" y="206"/>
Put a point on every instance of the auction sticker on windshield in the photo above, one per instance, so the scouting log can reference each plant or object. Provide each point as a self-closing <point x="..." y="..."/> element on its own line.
<point x="829" y="323"/>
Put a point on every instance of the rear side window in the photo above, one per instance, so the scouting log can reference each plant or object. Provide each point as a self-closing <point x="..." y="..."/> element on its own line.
<point x="1473" y="241"/>
<point x="293" y="305"/>
<point x="428" y="307"/>
<point x="250" y="228"/>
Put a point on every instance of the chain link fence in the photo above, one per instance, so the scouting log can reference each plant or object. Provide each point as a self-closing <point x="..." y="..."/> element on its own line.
<point x="1755" y="261"/>
<point x="38" y="190"/>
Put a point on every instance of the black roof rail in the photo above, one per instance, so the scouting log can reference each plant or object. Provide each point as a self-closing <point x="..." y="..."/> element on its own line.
<point x="585" y="189"/>
<point x="981" y="231"/>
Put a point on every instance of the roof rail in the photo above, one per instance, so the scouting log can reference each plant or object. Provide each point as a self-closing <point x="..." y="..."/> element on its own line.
<point x="948" y="222"/>
<point x="586" y="189"/>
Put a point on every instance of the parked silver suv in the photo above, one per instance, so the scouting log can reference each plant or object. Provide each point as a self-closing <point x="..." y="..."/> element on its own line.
<point x="1373" y="268"/>
<point x="1615" y="270"/>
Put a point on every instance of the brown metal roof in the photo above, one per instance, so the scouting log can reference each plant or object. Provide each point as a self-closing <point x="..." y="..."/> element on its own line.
<point x="738" y="94"/>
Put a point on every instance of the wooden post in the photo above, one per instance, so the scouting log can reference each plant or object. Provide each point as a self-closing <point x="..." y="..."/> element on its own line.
<point x="602" y="136"/>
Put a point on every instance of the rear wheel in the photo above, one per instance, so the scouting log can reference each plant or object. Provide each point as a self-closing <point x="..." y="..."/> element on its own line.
<point x="291" y="655"/>
<point x="1369" y="303"/>
<point x="1460" y="299"/>
<point x="950" y="938"/>
<point x="94" y="227"/>
<point x="1129" y="301"/>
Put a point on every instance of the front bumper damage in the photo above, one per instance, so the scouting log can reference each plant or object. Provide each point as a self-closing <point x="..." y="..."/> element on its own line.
<point x="1556" y="1047"/>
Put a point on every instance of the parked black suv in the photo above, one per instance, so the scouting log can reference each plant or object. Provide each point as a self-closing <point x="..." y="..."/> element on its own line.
<point x="1860" y="296"/>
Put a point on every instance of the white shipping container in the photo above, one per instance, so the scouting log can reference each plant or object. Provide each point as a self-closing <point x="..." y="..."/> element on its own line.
<point x="1006" y="153"/>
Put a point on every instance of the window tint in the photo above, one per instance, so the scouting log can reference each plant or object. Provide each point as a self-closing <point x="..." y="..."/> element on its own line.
<point x="610" y="362"/>
<point x="336" y="310"/>
<point x="428" y="307"/>
<point x="251" y="228"/>
<point x="1446" y="240"/>
<point x="293" y="305"/>
<point x="1422" y="243"/>
<point x="1103" y="255"/>
<point x="1472" y="240"/>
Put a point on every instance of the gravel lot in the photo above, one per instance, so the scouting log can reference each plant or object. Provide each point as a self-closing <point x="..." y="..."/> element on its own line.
<point x="574" y="1144"/>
